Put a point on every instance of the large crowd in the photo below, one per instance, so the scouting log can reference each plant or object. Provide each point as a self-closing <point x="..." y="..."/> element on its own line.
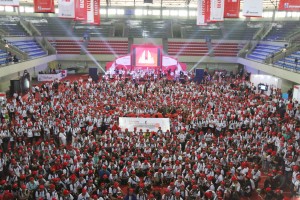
<point x="63" y="142"/>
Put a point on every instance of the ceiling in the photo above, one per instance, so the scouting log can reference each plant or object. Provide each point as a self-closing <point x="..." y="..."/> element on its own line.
<point x="268" y="4"/>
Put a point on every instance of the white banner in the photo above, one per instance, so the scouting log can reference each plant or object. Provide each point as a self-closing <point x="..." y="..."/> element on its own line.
<point x="201" y="12"/>
<point x="125" y="60"/>
<point x="51" y="77"/>
<point x="217" y="10"/>
<point x="9" y="2"/>
<point x="144" y="123"/>
<point x="90" y="12"/>
<point x="66" y="8"/>
<point x="168" y="61"/>
<point x="253" y="8"/>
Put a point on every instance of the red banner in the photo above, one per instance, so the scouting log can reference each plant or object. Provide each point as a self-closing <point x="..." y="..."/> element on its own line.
<point x="231" y="9"/>
<point x="289" y="5"/>
<point x="97" y="12"/>
<point x="203" y="12"/>
<point x="80" y="10"/>
<point x="44" y="6"/>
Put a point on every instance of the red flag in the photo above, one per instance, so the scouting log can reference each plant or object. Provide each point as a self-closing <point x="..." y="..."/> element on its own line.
<point x="44" y="6"/>
<point x="203" y="12"/>
<point x="80" y="10"/>
<point x="231" y="8"/>
<point x="97" y="12"/>
<point x="289" y="5"/>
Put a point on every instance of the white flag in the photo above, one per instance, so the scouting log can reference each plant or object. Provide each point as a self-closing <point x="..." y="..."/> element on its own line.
<point x="66" y="8"/>
<point x="253" y="8"/>
<point x="217" y="10"/>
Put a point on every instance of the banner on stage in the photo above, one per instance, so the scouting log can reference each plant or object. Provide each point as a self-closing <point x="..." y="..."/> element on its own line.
<point x="9" y="2"/>
<point x="289" y="5"/>
<point x="52" y="77"/>
<point x="44" y="6"/>
<point x="144" y="123"/>
<point x="231" y="9"/>
<point x="66" y="9"/>
<point x="253" y="8"/>
<point x="216" y="10"/>
<point x="203" y="12"/>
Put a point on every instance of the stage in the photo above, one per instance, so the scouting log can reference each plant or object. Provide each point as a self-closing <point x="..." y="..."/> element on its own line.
<point x="145" y="61"/>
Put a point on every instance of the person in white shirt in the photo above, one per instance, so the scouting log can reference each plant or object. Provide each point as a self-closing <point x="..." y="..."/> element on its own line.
<point x="83" y="195"/>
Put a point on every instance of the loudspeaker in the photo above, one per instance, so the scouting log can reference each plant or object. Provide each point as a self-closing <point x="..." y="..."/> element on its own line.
<point x="15" y="87"/>
<point x="199" y="75"/>
<point x="93" y="73"/>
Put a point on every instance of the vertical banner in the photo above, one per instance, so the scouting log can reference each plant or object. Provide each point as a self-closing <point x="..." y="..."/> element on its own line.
<point x="203" y="12"/>
<point x="9" y="2"/>
<point x="289" y="5"/>
<point x="90" y="11"/>
<point x="66" y="9"/>
<point x="80" y="10"/>
<point x="232" y="8"/>
<point x="253" y="8"/>
<point x="97" y="12"/>
<point x="216" y="10"/>
<point x="44" y="6"/>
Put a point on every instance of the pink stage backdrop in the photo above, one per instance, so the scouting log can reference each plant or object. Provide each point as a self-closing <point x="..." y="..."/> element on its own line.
<point x="145" y="57"/>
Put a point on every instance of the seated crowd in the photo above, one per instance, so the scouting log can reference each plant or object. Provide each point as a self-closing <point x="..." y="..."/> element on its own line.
<point x="64" y="142"/>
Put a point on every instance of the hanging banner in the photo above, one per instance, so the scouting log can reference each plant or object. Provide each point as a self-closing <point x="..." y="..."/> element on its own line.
<point x="97" y="12"/>
<point x="231" y="9"/>
<point x="90" y="11"/>
<point x="66" y="9"/>
<point x="80" y="10"/>
<point x="289" y="5"/>
<point x="9" y="2"/>
<point x="216" y="10"/>
<point x="253" y="8"/>
<point x="203" y="12"/>
<point x="44" y="6"/>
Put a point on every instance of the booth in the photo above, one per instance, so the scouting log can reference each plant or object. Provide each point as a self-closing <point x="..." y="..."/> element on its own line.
<point x="265" y="83"/>
<point x="296" y="93"/>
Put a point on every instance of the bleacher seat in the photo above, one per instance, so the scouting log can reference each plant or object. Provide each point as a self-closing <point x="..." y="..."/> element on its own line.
<point x="226" y="49"/>
<point x="93" y="47"/>
<point x="282" y="30"/>
<point x="3" y="56"/>
<point x="12" y="27"/>
<point x="263" y="51"/>
<point x="31" y="47"/>
<point x="187" y="48"/>
<point x="289" y="62"/>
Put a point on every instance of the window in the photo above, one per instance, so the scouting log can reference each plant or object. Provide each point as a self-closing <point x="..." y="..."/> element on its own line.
<point x="156" y="12"/>
<point x="193" y="13"/>
<point x="166" y="13"/>
<point x="9" y="9"/>
<point x="280" y="14"/>
<point x="138" y="12"/>
<point x="103" y="11"/>
<point x="183" y="13"/>
<point x="174" y="13"/>
<point x="120" y="12"/>
<point x="112" y="11"/>
<point x="28" y="9"/>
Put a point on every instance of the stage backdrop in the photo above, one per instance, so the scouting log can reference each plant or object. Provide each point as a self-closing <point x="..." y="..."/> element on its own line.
<point x="144" y="123"/>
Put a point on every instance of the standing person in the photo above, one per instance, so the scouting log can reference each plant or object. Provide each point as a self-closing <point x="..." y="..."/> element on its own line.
<point x="130" y="195"/>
